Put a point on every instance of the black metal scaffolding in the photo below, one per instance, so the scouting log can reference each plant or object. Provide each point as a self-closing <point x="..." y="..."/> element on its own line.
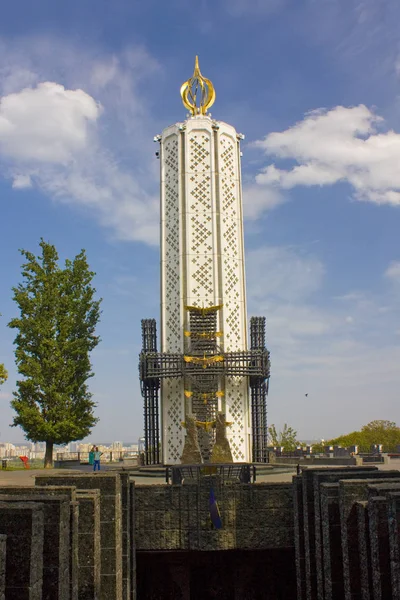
<point x="150" y="389"/>
<point x="203" y="367"/>
<point x="259" y="391"/>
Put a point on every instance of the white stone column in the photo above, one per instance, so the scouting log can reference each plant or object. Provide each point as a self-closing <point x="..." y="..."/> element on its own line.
<point x="202" y="263"/>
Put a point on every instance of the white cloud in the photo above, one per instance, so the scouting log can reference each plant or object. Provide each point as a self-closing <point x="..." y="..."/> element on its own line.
<point x="282" y="273"/>
<point x="21" y="182"/>
<point x="393" y="271"/>
<point x="47" y="123"/>
<point x="256" y="199"/>
<point x="52" y="136"/>
<point x="330" y="146"/>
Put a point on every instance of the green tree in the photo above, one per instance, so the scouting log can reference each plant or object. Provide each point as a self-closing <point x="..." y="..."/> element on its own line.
<point x="56" y="333"/>
<point x="286" y="438"/>
<point x="376" y="432"/>
<point x="3" y="374"/>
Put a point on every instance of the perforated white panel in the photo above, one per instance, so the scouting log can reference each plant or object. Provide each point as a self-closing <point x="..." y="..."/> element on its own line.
<point x="172" y="405"/>
<point x="236" y="393"/>
<point x="200" y="221"/>
<point x="233" y="286"/>
<point x="171" y="313"/>
<point x="202" y="261"/>
<point x="174" y="416"/>
<point x="231" y="247"/>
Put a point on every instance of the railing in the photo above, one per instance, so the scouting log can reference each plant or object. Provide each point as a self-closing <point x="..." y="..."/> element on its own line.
<point x="108" y="456"/>
<point x="231" y="472"/>
<point x="252" y="363"/>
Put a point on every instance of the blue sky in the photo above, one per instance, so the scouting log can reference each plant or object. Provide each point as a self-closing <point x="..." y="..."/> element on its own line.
<point x="315" y="87"/>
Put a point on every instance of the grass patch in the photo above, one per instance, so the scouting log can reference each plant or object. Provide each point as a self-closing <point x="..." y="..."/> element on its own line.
<point x="17" y="465"/>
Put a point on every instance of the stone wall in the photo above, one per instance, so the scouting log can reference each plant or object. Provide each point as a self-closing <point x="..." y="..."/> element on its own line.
<point x="347" y="534"/>
<point x="110" y="509"/>
<point x="23" y="525"/>
<point x="80" y="536"/>
<point x="178" y="518"/>
<point x="3" y="540"/>
<point x="315" y="460"/>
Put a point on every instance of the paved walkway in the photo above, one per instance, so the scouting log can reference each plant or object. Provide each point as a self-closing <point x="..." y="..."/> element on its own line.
<point x="27" y="477"/>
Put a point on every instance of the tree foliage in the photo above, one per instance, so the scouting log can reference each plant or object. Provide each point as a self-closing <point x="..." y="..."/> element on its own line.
<point x="3" y="374"/>
<point x="376" y="432"/>
<point x="55" y="334"/>
<point x="286" y="438"/>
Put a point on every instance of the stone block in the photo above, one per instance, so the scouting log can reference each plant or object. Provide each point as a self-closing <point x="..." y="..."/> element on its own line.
<point x="126" y="507"/>
<point x="350" y="492"/>
<point x="33" y="592"/>
<point x="23" y="524"/>
<point x="390" y="491"/>
<point x="89" y="548"/>
<point x="3" y="540"/>
<point x="394" y="528"/>
<point x="109" y="484"/>
<point x="383" y="488"/>
<point x="253" y="516"/>
<point x="51" y="490"/>
<point x="364" y="550"/>
<point x="312" y="478"/>
<point x="333" y="476"/>
<point x="380" y="550"/>
<point x="74" y="547"/>
<point x="299" y="537"/>
<point x="56" y="542"/>
<point x="331" y="548"/>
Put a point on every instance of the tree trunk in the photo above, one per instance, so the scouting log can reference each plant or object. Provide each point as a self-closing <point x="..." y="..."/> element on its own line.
<point x="48" y="457"/>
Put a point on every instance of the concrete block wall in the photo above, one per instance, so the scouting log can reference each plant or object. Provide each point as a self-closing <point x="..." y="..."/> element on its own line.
<point x="86" y="543"/>
<point x="89" y="548"/>
<point x="110" y="509"/>
<point x="347" y="537"/>
<point x="177" y="517"/>
<point x="76" y="536"/>
<point x="23" y="524"/>
<point x="3" y="541"/>
<point x="35" y="493"/>
<point x="56" y="542"/>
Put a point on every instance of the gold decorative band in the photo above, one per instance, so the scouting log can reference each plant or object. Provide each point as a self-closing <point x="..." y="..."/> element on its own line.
<point x="205" y="361"/>
<point x="203" y="334"/>
<point x="204" y="311"/>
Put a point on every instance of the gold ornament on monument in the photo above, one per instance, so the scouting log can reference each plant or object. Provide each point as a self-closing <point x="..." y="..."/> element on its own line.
<point x="198" y="92"/>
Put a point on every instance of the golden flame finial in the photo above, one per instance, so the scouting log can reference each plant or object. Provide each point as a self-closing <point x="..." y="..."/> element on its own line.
<point x="198" y="92"/>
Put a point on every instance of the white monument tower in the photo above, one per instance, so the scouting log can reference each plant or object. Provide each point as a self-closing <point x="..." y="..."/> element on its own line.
<point x="205" y="365"/>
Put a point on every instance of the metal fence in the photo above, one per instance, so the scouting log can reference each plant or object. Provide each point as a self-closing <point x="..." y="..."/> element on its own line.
<point x="108" y="456"/>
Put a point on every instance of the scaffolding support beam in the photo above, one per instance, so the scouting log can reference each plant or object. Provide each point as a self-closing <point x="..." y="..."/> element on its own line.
<point x="259" y="391"/>
<point x="246" y="363"/>
<point x="150" y="391"/>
